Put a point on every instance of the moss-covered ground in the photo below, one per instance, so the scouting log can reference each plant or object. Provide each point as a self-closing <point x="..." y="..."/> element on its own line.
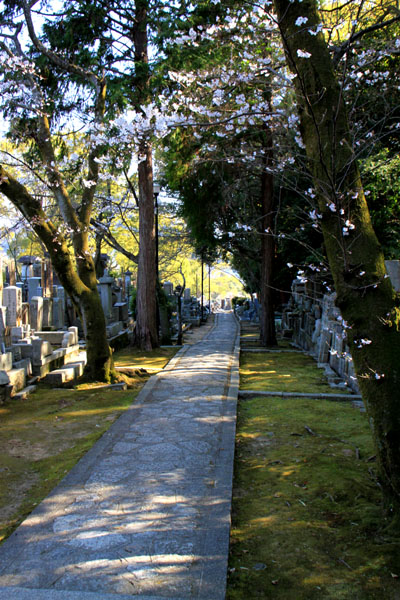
<point x="307" y="514"/>
<point x="42" y="437"/>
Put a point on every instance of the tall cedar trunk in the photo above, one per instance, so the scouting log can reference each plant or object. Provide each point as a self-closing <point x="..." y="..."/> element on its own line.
<point x="364" y="294"/>
<point x="146" y="299"/>
<point x="81" y="286"/>
<point x="267" y="319"/>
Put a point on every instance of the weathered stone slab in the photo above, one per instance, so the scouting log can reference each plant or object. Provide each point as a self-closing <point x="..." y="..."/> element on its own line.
<point x="54" y="337"/>
<point x="4" y="378"/>
<point x="26" y="364"/>
<point x="17" y="333"/>
<point x="26" y="349"/>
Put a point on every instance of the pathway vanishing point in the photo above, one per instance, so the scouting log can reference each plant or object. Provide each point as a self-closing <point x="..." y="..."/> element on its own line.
<point x="146" y="512"/>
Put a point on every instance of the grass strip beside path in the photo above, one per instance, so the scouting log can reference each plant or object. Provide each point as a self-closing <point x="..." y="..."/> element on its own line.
<point x="307" y="518"/>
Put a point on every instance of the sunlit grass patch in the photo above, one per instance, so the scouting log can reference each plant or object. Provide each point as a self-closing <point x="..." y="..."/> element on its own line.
<point x="281" y="371"/>
<point x="154" y="360"/>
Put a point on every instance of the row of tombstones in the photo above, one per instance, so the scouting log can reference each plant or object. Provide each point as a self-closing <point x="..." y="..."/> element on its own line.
<point x="40" y="313"/>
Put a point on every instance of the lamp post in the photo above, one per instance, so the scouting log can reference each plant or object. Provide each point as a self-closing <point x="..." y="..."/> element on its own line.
<point x="178" y="294"/>
<point x="209" y="288"/>
<point x="128" y="275"/>
<point x="156" y="191"/>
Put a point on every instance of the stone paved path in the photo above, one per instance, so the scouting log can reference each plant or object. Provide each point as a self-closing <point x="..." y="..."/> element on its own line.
<point x="146" y="512"/>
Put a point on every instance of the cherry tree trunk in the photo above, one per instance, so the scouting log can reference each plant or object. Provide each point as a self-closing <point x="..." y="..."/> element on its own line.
<point x="365" y="295"/>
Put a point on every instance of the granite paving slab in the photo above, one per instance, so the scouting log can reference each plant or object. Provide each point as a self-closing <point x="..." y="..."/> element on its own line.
<point x="146" y="512"/>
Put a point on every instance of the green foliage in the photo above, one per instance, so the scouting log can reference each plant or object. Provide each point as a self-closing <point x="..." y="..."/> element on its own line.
<point x="381" y="178"/>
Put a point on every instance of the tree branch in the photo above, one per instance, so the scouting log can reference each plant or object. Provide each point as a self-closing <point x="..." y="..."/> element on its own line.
<point x="55" y="58"/>
<point x="341" y="51"/>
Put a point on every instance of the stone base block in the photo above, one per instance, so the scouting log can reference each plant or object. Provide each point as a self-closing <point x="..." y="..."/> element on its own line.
<point x="60" y="376"/>
<point x="17" y="379"/>
<point x="78" y="367"/>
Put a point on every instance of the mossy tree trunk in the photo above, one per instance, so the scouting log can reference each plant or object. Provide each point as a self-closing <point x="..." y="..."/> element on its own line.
<point x="146" y="334"/>
<point x="364" y="293"/>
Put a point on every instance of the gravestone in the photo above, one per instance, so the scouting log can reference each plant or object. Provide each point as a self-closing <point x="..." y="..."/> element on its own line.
<point x="105" y="291"/>
<point x="61" y="294"/>
<point x="36" y="310"/>
<point x="12" y="299"/>
<point x="58" y="313"/>
<point x="33" y="285"/>
<point x="47" y="312"/>
<point x="122" y="308"/>
<point x="168" y="288"/>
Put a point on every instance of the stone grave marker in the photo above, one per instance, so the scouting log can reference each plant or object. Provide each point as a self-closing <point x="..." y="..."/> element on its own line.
<point x="58" y="313"/>
<point x="12" y="299"/>
<point x="47" y="312"/>
<point x="36" y="309"/>
<point x="33" y="285"/>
